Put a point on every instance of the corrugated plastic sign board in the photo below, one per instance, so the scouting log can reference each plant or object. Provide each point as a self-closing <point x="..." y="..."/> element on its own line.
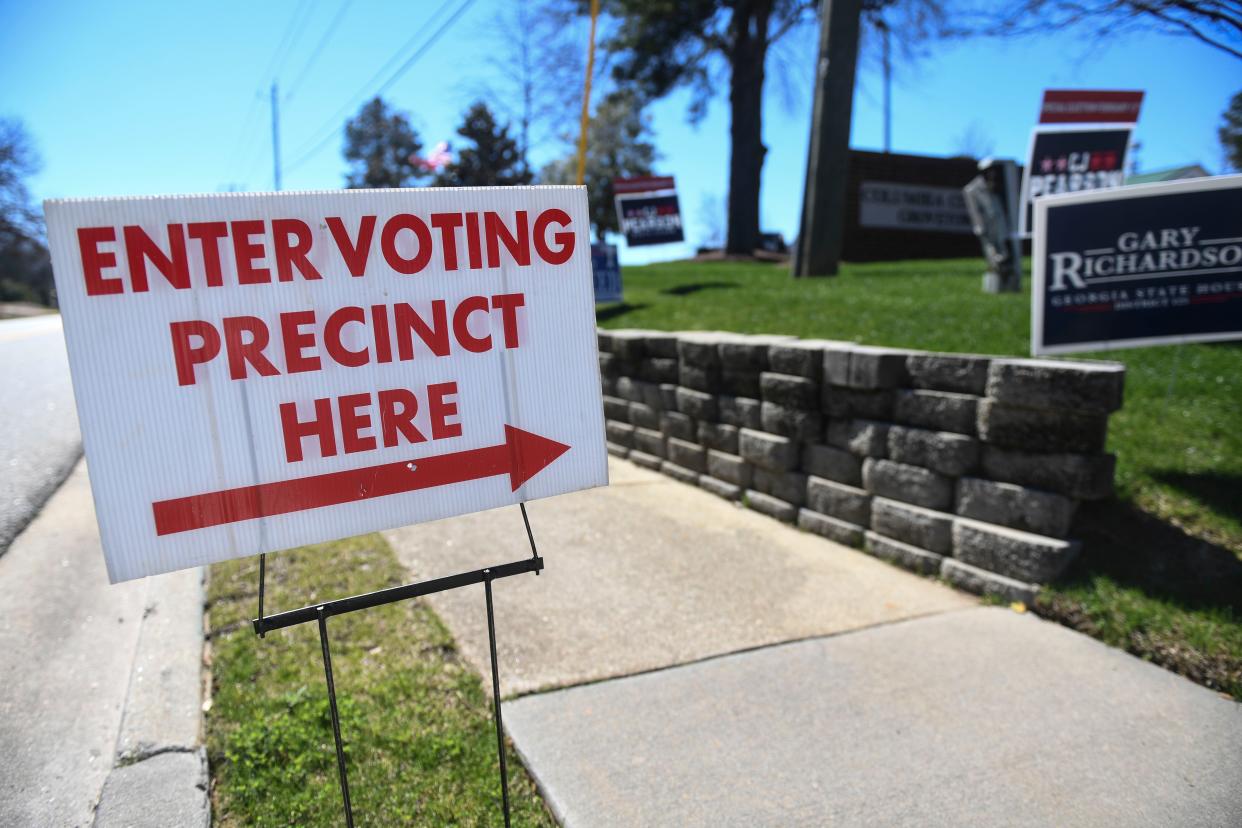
<point x="259" y="372"/>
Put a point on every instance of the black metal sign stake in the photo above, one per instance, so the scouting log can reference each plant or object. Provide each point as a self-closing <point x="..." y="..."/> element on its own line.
<point x="500" y="727"/>
<point x="322" y="612"/>
<point x="336" y="718"/>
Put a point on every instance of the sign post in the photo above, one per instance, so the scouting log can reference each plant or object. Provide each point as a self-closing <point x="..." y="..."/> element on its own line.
<point x="259" y="372"/>
<point x="1149" y="264"/>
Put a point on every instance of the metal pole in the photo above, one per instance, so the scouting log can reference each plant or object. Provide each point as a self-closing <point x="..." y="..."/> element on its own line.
<point x="275" y="138"/>
<point x="262" y="579"/>
<point x="336" y="720"/>
<point x="586" y="97"/>
<point x="888" y="88"/>
<point x="534" y="553"/>
<point x="500" y="727"/>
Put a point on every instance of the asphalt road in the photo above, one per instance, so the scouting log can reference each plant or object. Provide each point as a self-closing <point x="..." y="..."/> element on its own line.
<point x="39" y="439"/>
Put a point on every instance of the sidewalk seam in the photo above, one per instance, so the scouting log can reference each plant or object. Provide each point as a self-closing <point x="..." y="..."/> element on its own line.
<point x="744" y="650"/>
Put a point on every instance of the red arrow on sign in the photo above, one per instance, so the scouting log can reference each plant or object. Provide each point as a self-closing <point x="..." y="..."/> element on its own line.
<point x="521" y="456"/>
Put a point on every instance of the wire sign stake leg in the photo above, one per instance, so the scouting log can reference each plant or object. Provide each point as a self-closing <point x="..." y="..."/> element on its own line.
<point x="336" y="720"/>
<point x="500" y="726"/>
<point x="322" y="612"/>
<point x="262" y="581"/>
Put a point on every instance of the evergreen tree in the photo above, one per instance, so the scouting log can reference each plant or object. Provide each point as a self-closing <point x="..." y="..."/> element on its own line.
<point x="382" y="148"/>
<point x="492" y="157"/>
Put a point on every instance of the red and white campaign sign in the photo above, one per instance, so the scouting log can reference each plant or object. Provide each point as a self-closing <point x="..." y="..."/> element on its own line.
<point x="1090" y="106"/>
<point x="258" y="372"/>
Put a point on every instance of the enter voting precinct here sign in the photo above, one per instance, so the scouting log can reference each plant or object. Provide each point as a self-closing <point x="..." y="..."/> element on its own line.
<point x="1141" y="265"/>
<point x="258" y="372"/>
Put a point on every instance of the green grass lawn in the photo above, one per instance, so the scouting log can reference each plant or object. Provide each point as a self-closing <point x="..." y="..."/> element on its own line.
<point x="420" y="743"/>
<point x="1167" y="589"/>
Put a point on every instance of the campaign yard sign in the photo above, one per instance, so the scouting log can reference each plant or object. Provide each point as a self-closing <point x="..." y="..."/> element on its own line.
<point x="1090" y="106"/>
<point x="647" y="210"/>
<point x="606" y="270"/>
<point x="1072" y="160"/>
<point x="891" y="206"/>
<point x="1145" y="265"/>
<point x="258" y="372"/>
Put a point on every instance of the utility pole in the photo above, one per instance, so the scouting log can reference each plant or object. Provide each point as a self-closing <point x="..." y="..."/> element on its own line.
<point x="888" y="84"/>
<point x="823" y="201"/>
<point x="275" y="137"/>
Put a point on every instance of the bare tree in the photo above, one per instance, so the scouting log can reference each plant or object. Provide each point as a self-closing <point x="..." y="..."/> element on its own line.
<point x="538" y="65"/>
<point x="1230" y="133"/>
<point x="974" y="142"/>
<point x="1217" y="23"/>
<point x="25" y="271"/>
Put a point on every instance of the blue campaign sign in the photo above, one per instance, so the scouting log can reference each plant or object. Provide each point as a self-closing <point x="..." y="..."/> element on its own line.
<point x="1139" y="265"/>
<point x="607" y="272"/>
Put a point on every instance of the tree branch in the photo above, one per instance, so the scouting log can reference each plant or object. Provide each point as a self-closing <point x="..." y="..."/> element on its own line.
<point x="1189" y="28"/>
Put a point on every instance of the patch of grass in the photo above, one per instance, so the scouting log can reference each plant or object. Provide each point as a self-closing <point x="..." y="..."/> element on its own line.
<point x="1146" y="586"/>
<point x="1165" y="588"/>
<point x="419" y="739"/>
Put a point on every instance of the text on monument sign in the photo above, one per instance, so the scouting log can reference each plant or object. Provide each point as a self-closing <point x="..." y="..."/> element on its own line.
<point x="891" y="206"/>
<point x="258" y="372"/>
<point x="1071" y="161"/>
<point x="1144" y="265"/>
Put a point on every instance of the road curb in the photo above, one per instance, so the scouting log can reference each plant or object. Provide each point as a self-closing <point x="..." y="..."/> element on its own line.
<point x="159" y="774"/>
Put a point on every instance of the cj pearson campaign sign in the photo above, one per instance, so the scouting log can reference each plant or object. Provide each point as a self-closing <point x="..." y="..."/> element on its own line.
<point x="258" y="372"/>
<point x="1071" y="160"/>
<point x="1144" y="265"/>
<point x="647" y="210"/>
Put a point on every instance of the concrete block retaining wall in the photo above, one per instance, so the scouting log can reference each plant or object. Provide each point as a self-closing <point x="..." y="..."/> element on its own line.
<point x="966" y="466"/>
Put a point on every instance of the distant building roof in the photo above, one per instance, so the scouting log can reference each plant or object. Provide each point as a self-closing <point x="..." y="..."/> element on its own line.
<point x="1171" y="174"/>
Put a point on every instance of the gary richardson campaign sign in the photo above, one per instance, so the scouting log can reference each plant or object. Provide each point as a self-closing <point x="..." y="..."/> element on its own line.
<point x="1139" y="265"/>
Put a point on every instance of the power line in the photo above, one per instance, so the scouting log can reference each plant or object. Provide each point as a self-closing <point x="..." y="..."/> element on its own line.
<point x="332" y="122"/>
<point x="329" y="127"/>
<point x="297" y="24"/>
<point x="276" y="60"/>
<point x="323" y="41"/>
<point x="414" y="58"/>
<point x="240" y="144"/>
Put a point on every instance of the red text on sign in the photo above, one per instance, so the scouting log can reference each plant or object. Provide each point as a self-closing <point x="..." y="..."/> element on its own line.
<point x="363" y="422"/>
<point x="262" y="251"/>
<point x="350" y="336"/>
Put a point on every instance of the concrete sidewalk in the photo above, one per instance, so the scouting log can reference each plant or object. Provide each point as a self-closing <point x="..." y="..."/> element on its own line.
<point x="899" y="701"/>
<point x="100" y="685"/>
<point x="649" y="573"/>
<point x="983" y="717"/>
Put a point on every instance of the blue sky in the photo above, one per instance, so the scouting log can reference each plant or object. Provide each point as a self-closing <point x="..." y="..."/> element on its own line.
<point x="129" y="98"/>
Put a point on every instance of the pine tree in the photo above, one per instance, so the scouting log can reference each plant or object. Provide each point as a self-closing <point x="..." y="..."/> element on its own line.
<point x="382" y="148"/>
<point x="492" y="157"/>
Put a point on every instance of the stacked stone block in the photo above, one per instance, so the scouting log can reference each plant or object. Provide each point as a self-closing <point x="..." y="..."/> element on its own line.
<point x="969" y="467"/>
